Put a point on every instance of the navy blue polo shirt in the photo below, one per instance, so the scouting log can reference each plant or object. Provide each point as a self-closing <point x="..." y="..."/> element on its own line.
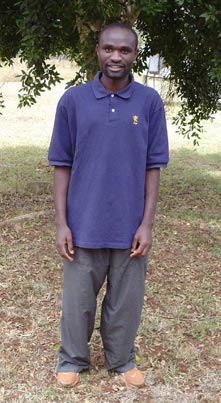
<point x="109" y="141"/>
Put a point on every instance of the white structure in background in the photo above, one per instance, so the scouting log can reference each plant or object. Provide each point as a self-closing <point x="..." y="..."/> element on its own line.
<point x="154" y="64"/>
<point x="156" y="72"/>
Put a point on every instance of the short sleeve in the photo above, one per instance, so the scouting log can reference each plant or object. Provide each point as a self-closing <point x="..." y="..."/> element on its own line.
<point x="158" y="149"/>
<point x="61" y="149"/>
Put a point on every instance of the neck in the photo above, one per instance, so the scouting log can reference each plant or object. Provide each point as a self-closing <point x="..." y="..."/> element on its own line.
<point x="114" y="85"/>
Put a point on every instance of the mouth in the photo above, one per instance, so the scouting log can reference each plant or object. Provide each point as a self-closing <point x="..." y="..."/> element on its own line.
<point x="115" y="67"/>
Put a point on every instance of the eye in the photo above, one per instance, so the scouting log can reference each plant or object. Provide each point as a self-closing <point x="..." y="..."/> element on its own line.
<point x="108" y="49"/>
<point x="125" y="51"/>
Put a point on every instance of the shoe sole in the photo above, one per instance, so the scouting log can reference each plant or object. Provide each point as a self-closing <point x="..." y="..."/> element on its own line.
<point x="130" y="385"/>
<point x="68" y="385"/>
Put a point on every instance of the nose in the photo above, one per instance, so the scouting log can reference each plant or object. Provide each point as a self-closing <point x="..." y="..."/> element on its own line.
<point x="116" y="56"/>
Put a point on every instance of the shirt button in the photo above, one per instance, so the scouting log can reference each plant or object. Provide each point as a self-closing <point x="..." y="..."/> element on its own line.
<point x="112" y="110"/>
<point x="112" y="95"/>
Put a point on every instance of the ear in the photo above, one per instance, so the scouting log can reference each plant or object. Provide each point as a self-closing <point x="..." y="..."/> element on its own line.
<point x="136" y="53"/>
<point x="97" y="48"/>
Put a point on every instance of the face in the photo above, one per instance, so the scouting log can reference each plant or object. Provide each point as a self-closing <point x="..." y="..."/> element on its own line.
<point x="116" y="53"/>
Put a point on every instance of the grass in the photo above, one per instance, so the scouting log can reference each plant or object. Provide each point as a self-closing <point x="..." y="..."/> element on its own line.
<point x="178" y="343"/>
<point x="11" y="73"/>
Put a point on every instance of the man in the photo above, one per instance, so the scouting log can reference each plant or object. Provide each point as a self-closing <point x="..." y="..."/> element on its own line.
<point x="108" y="145"/>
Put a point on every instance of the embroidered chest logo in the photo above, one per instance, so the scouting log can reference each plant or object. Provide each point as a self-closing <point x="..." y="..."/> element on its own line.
<point x="135" y="119"/>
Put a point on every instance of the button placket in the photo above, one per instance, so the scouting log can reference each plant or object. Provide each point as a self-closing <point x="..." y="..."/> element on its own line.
<point x="112" y="110"/>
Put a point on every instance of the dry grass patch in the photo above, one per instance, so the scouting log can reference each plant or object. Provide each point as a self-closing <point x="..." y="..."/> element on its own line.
<point x="178" y="343"/>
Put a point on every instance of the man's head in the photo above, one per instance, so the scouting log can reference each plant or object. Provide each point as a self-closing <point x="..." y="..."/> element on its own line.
<point x="121" y="25"/>
<point x="117" y="50"/>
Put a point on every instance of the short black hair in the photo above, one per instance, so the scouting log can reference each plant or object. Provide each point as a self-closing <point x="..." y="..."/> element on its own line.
<point x="122" y="25"/>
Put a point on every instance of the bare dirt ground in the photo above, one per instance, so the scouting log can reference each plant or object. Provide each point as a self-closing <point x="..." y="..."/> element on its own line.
<point x="178" y="343"/>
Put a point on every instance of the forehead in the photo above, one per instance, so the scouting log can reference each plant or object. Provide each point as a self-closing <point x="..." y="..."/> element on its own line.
<point x="117" y="36"/>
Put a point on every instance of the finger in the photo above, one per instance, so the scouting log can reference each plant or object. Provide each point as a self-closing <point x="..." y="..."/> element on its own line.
<point x="69" y="246"/>
<point x="69" y="252"/>
<point x="140" y="251"/>
<point x="147" y="249"/>
<point x="63" y="251"/>
<point x="135" y="253"/>
<point x="68" y="257"/>
<point x="134" y="244"/>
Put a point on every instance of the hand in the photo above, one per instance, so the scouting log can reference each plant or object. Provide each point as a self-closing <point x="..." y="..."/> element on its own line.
<point x="142" y="241"/>
<point x="64" y="242"/>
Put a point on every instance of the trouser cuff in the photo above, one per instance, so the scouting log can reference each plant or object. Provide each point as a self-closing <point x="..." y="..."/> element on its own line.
<point x="124" y="368"/>
<point x="69" y="368"/>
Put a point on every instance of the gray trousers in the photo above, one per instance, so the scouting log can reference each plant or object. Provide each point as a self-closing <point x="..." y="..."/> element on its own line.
<point x="120" y="313"/>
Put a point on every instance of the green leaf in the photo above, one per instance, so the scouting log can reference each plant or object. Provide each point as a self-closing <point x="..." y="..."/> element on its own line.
<point x="137" y="358"/>
<point x="56" y="346"/>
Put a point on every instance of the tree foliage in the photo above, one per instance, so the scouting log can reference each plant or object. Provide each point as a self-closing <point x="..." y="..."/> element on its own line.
<point x="186" y="33"/>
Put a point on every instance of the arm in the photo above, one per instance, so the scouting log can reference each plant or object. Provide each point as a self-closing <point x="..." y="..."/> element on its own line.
<point x="63" y="233"/>
<point x="143" y="237"/>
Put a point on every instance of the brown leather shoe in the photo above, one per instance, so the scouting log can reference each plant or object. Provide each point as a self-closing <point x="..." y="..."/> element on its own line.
<point x="68" y="379"/>
<point x="133" y="378"/>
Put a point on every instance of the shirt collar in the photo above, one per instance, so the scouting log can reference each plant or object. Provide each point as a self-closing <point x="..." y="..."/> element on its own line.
<point x="101" y="92"/>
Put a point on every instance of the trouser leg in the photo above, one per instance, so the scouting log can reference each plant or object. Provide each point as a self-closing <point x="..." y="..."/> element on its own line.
<point x="121" y="309"/>
<point x="82" y="281"/>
